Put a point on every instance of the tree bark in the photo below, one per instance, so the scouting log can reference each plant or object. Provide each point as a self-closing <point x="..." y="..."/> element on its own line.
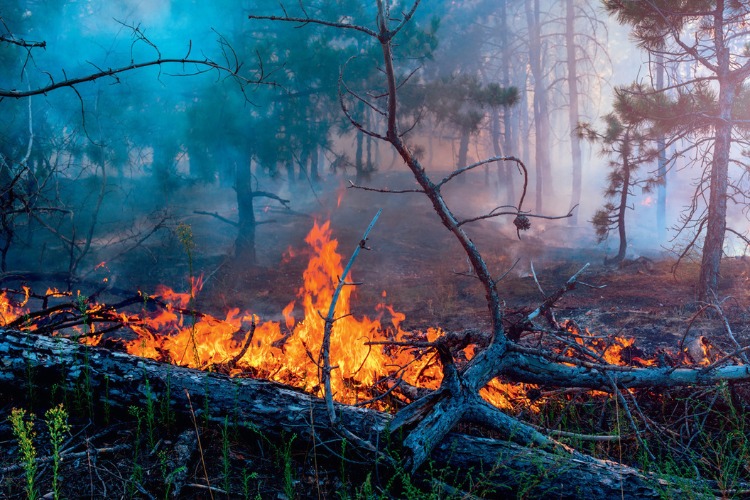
<point x="661" y="162"/>
<point x="713" y="245"/>
<point x="573" y="117"/>
<point x="118" y="381"/>
<point x="244" y="244"/>
<point x="541" y="106"/>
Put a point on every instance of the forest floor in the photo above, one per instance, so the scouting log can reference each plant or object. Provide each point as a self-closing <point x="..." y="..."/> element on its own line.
<point x="421" y="269"/>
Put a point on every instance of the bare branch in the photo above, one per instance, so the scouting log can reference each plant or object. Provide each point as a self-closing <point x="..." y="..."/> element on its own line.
<point x="349" y="116"/>
<point x="494" y="214"/>
<point x="475" y="165"/>
<point x="309" y="20"/>
<point x="384" y="190"/>
<point x="22" y="43"/>
<point x="216" y="215"/>
<point x="202" y="65"/>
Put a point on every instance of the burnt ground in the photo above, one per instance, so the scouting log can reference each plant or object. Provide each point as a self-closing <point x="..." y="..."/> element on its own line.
<point x="426" y="276"/>
<point x="418" y="264"/>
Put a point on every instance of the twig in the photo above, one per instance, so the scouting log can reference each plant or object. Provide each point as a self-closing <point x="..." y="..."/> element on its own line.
<point x="550" y="301"/>
<point x="726" y="358"/>
<point x="506" y="273"/>
<point x="461" y="170"/>
<point x="200" y="447"/>
<point x="629" y="415"/>
<point x="384" y="190"/>
<point x="715" y="304"/>
<point x="67" y="456"/>
<point x="211" y="489"/>
<point x="533" y="273"/>
<point x="582" y="437"/>
<point x="202" y="66"/>
<point x="217" y="216"/>
<point x="246" y="346"/>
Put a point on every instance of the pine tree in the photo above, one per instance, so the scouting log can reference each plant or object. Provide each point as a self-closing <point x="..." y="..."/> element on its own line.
<point x="710" y="36"/>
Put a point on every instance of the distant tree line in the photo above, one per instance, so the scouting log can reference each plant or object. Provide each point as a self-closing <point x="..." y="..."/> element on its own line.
<point x="511" y="78"/>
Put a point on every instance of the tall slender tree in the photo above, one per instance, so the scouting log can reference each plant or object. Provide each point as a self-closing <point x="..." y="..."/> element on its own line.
<point x="542" y="125"/>
<point x="573" y="107"/>
<point x="661" y="145"/>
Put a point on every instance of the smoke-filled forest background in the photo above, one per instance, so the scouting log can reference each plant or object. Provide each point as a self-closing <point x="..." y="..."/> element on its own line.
<point x="100" y="168"/>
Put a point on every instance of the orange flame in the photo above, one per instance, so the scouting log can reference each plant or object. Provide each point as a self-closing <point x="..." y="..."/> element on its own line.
<point x="289" y="351"/>
<point x="292" y="357"/>
<point x="614" y="350"/>
<point x="8" y="311"/>
<point x="203" y="341"/>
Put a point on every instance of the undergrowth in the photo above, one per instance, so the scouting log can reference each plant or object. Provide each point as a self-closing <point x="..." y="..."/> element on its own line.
<point x="681" y="435"/>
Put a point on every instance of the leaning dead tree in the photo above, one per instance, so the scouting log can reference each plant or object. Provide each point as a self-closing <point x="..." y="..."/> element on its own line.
<point x="426" y="423"/>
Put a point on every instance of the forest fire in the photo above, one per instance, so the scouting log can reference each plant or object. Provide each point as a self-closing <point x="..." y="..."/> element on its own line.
<point x="288" y="352"/>
<point x="615" y="350"/>
<point x="368" y="355"/>
<point x="9" y="311"/>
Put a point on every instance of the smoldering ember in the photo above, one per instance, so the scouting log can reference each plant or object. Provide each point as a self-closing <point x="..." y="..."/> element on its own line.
<point x="310" y="249"/>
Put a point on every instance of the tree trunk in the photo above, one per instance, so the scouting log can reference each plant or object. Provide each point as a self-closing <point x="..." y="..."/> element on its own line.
<point x="623" y="200"/>
<point x="244" y="244"/>
<point x="716" y="223"/>
<point x="524" y="126"/>
<point x="661" y="170"/>
<point x="163" y="168"/>
<point x="541" y="106"/>
<point x="289" y="166"/>
<point x="304" y="159"/>
<point x="117" y="381"/>
<point x="369" y="165"/>
<point x="358" y="157"/>
<point x="509" y="146"/>
<point x="573" y="117"/>
<point x="314" y="173"/>
<point x="504" y="169"/>
<point x="463" y="153"/>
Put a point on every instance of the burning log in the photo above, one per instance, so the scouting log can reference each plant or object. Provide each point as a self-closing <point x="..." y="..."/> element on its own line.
<point x="119" y="380"/>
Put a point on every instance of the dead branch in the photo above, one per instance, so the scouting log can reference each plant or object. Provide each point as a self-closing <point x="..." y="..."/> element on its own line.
<point x="68" y="456"/>
<point x="325" y="358"/>
<point x="716" y="305"/>
<point x="216" y="215"/>
<point x="245" y="345"/>
<point x="384" y="190"/>
<point x="524" y="364"/>
<point x="207" y="65"/>
<point x="465" y="169"/>
<point x="22" y="43"/>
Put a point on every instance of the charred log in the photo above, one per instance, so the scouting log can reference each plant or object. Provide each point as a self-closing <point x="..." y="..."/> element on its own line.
<point x="120" y="380"/>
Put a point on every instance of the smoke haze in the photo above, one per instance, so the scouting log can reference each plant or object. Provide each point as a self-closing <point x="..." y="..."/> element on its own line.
<point x="159" y="143"/>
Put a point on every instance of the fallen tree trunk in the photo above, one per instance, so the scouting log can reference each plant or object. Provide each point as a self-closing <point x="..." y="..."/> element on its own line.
<point x="118" y="380"/>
